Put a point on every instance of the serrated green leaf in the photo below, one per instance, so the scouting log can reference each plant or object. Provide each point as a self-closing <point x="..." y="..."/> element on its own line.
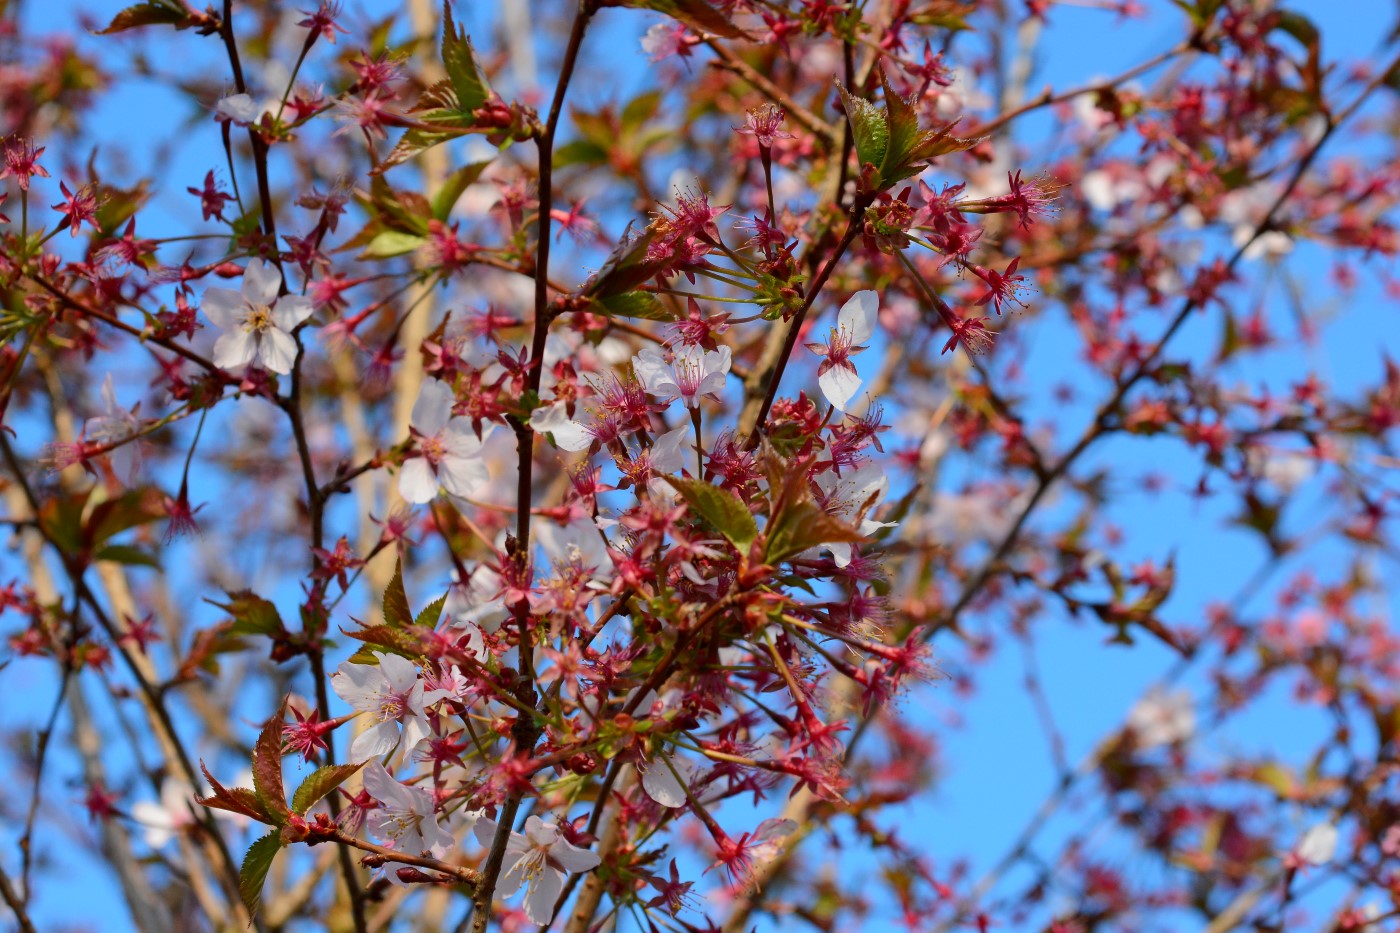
<point x="580" y="152"/>
<point x="253" y="873"/>
<point x="267" y="770"/>
<point x="320" y="783"/>
<point x="902" y="121"/>
<point x="697" y="14"/>
<point x="805" y="525"/>
<point x="720" y="507"/>
<point x="251" y="614"/>
<point x="128" y="555"/>
<point x="868" y="128"/>
<point x="392" y="243"/>
<point x="428" y="618"/>
<point x="459" y="61"/>
<point x="385" y="638"/>
<point x="452" y="188"/>
<point x="395" y="606"/>
<point x="129" y="510"/>
<point x="641" y="305"/>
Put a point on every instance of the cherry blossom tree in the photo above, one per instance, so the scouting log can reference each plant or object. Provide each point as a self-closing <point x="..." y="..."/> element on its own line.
<point x="581" y="474"/>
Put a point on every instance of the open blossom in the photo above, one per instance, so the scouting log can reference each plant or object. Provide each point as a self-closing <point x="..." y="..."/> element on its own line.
<point x="666" y="779"/>
<point x="764" y="124"/>
<point x="539" y="859"/>
<point x="393" y="695"/>
<point x="257" y="324"/>
<point x="1162" y="718"/>
<point x="850" y="497"/>
<point x="450" y="448"/>
<point x="855" y="323"/>
<point x="405" y="815"/>
<point x="117" y="424"/>
<point x="239" y="109"/>
<point x="692" y="372"/>
<point x="1318" y="845"/>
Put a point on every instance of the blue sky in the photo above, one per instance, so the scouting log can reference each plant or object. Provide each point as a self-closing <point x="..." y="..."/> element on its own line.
<point x="998" y="768"/>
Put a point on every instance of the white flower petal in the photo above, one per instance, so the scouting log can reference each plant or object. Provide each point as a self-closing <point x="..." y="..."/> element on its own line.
<point x="464" y="476"/>
<point x="379" y="739"/>
<point x="261" y="283"/>
<point x="240" y="108"/>
<point x="278" y="351"/>
<point x="661" y="784"/>
<point x="225" y="308"/>
<point x="291" y="310"/>
<point x="417" y="484"/>
<point x="544" y="891"/>
<point x="839" y="385"/>
<point x="857" y="316"/>
<point x="433" y="409"/>
<point x="1318" y="845"/>
<point x="653" y="372"/>
<point x="235" y="348"/>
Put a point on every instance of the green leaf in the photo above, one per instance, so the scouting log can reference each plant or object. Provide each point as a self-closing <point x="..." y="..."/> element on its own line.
<point x="253" y="874"/>
<point x="642" y="305"/>
<point x="580" y="152"/>
<point x="154" y="13"/>
<point x="396" y="611"/>
<point x="62" y="520"/>
<point x="868" y="128"/>
<point x="392" y="243"/>
<point x="126" y="554"/>
<point x="428" y="618"/>
<point x="129" y="510"/>
<point x="386" y="638"/>
<point x="267" y="770"/>
<point x="452" y="188"/>
<point x="251" y="614"/>
<point x="459" y="60"/>
<point x="320" y="783"/>
<point x="626" y="267"/>
<point x="1298" y="26"/>
<point x="903" y="123"/>
<point x="805" y="525"/>
<point x="721" y="508"/>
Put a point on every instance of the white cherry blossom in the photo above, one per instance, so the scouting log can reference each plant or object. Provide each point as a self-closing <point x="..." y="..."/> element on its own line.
<point x="692" y="372"/>
<point x="406" y="815"/>
<point x="1162" y="718"/>
<point x="393" y="695"/>
<point x="539" y="859"/>
<point x="257" y="324"/>
<point x="850" y="497"/>
<point x="855" y="324"/>
<point x="451" y="451"/>
<point x="1318" y="845"/>
<point x="115" y="424"/>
